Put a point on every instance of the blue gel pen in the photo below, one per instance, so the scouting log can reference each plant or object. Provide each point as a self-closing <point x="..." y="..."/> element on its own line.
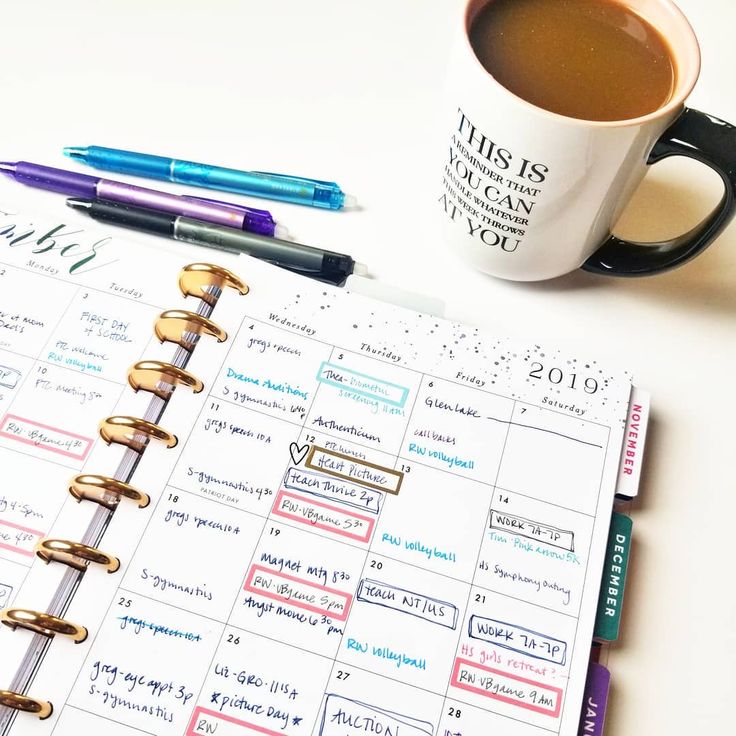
<point x="295" y="189"/>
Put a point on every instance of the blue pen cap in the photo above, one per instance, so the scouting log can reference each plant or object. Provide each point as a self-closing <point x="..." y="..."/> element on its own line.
<point x="127" y="162"/>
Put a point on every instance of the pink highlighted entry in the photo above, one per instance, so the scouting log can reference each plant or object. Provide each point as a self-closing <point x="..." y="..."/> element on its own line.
<point x="323" y="516"/>
<point x="508" y="688"/>
<point x="46" y="437"/>
<point x="297" y="592"/>
<point x="205" y="722"/>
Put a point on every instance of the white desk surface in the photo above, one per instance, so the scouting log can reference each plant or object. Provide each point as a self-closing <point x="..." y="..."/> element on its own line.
<point x="348" y="90"/>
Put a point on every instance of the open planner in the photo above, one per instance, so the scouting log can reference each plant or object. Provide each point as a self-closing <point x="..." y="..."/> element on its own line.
<point x="277" y="507"/>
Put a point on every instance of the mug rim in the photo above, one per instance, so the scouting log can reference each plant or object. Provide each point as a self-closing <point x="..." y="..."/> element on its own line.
<point x="683" y="89"/>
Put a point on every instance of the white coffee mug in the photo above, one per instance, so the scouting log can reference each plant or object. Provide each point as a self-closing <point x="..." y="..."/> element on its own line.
<point x="528" y="194"/>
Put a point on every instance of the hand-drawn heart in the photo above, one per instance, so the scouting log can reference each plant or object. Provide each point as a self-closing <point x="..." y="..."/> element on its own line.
<point x="298" y="453"/>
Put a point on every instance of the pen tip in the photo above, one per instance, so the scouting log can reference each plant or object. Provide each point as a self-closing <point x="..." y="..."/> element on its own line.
<point x="350" y="202"/>
<point x="7" y="168"/>
<point x="78" y="204"/>
<point x="281" y="232"/>
<point x="75" y="152"/>
<point x="360" y="269"/>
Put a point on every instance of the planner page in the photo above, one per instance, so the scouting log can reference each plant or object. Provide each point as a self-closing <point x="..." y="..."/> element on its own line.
<point x="373" y="522"/>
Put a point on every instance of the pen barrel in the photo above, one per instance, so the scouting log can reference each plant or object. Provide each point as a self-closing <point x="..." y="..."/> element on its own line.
<point x="175" y="204"/>
<point x="254" y="220"/>
<point x="258" y="184"/>
<point x="56" y="180"/>
<point x="279" y="252"/>
<point x="129" y="162"/>
<point x="137" y="218"/>
<point x="240" y="182"/>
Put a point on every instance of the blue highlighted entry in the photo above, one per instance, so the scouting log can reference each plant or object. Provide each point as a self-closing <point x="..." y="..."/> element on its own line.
<point x="362" y="384"/>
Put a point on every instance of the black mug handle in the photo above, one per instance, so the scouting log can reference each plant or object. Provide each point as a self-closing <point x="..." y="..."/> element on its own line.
<point x="703" y="138"/>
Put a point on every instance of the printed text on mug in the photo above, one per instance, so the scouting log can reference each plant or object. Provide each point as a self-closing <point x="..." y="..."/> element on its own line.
<point x="489" y="191"/>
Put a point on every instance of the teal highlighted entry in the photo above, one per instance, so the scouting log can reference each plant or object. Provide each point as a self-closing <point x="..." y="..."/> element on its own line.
<point x="362" y="384"/>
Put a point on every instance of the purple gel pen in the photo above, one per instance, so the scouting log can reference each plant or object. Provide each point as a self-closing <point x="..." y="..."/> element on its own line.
<point x="91" y="187"/>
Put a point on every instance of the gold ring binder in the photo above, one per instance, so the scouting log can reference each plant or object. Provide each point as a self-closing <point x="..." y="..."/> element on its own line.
<point x="175" y="324"/>
<point x="74" y="554"/>
<point x="196" y="277"/>
<point x="42" y="708"/>
<point x="148" y="374"/>
<point x="128" y="431"/>
<point x="89" y="487"/>
<point x="42" y="623"/>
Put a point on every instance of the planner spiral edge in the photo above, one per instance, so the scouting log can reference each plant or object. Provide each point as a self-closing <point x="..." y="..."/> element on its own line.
<point x="205" y="282"/>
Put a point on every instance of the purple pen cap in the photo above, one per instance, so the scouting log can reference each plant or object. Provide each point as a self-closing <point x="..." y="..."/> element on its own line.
<point x="256" y="221"/>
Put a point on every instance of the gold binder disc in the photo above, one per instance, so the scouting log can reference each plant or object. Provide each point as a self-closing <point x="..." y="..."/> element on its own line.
<point x="42" y="623"/>
<point x="150" y="374"/>
<point x="74" y="554"/>
<point x="42" y="708"/>
<point x="96" y="487"/>
<point x="196" y="277"/>
<point x="181" y="327"/>
<point x="134" y="432"/>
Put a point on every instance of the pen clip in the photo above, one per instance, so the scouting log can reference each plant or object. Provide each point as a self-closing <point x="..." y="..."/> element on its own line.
<point x="230" y="205"/>
<point x="302" y="179"/>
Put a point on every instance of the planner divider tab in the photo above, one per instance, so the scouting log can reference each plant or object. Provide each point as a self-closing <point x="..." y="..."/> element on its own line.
<point x="632" y="451"/>
<point x="595" y="700"/>
<point x="205" y="282"/>
<point x="613" y="583"/>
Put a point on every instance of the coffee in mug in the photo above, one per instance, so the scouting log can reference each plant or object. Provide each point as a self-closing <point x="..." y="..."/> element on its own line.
<point x="587" y="59"/>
